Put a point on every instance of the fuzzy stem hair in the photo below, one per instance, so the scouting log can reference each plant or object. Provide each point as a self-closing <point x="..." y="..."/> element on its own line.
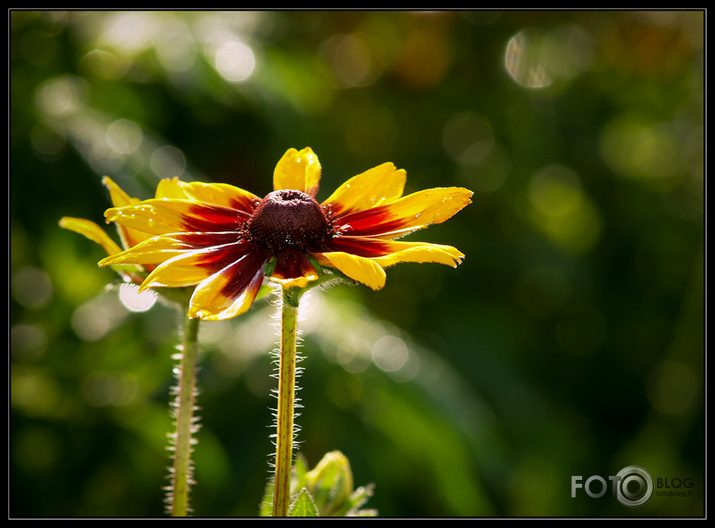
<point x="184" y="407"/>
<point x="285" y="428"/>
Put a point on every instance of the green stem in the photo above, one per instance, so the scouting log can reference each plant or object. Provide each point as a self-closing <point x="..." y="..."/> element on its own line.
<point x="182" y="471"/>
<point x="286" y="404"/>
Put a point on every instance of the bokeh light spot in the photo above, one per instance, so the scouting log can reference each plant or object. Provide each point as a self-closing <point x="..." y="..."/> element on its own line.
<point x="109" y="388"/>
<point x="135" y="300"/>
<point x="129" y="32"/>
<point x="92" y="320"/>
<point x="640" y="150"/>
<point x="555" y="191"/>
<point x="31" y="287"/>
<point x="352" y="60"/>
<point x="34" y="390"/>
<point x="562" y="211"/>
<point x="235" y="61"/>
<point x="176" y="49"/>
<point x="167" y="162"/>
<point x="390" y="353"/>
<point x="37" y="47"/>
<point x="102" y="64"/>
<point x="468" y="137"/>
<point x="124" y="136"/>
<point x="525" y="61"/>
<point x="48" y="138"/>
<point x="61" y="96"/>
<point x="27" y="341"/>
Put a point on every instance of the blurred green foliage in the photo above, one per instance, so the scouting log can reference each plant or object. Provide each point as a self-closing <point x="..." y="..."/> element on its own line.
<point x="569" y="342"/>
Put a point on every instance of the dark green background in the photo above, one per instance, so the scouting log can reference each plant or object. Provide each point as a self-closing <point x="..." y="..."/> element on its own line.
<point x="569" y="342"/>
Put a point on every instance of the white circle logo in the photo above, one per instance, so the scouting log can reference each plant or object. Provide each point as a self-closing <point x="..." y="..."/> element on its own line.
<point x="635" y="486"/>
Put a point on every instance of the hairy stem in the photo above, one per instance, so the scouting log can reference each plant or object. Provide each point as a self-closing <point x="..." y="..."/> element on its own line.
<point x="286" y="404"/>
<point x="182" y="471"/>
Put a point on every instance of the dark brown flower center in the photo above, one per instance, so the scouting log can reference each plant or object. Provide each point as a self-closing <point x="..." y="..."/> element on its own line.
<point x="288" y="220"/>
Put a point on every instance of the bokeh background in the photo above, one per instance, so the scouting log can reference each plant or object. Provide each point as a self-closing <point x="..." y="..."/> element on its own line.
<point x="569" y="342"/>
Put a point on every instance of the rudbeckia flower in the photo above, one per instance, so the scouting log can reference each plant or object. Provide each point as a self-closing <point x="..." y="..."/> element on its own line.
<point x="223" y="240"/>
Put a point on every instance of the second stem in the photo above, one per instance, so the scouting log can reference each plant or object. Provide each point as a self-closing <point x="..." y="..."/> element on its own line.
<point x="185" y="422"/>
<point x="286" y="404"/>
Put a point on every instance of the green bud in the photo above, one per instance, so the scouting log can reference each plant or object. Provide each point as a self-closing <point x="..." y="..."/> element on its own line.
<point x="330" y="484"/>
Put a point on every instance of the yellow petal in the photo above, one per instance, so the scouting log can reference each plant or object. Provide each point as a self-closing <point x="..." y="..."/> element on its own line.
<point x="431" y="206"/>
<point x="361" y="269"/>
<point x="92" y="231"/>
<point x="293" y="269"/>
<point x="409" y="213"/>
<point x="118" y="196"/>
<point x="420" y="252"/>
<point x="171" y="189"/>
<point x="299" y="171"/>
<point x="161" y="248"/>
<point x="184" y="258"/>
<point x="380" y="185"/>
<point x="176" y="272"/>
<point x="154" y="250"/>
<point x="212" y="193"/>
<point x="162" y="216"/>
<point x="217" y="297"/>
<point x="302" y="281"/>
<point x="298" y="282"/>
<point x="445" y="203"/>
<point x="148" y="217"/>
<point x="129" y="237"/>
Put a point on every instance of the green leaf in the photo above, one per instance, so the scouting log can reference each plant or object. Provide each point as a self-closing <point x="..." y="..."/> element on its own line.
<point x="303" y="506"/>
<point x="299" y="477"/>
<point x="266" y="509"/>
